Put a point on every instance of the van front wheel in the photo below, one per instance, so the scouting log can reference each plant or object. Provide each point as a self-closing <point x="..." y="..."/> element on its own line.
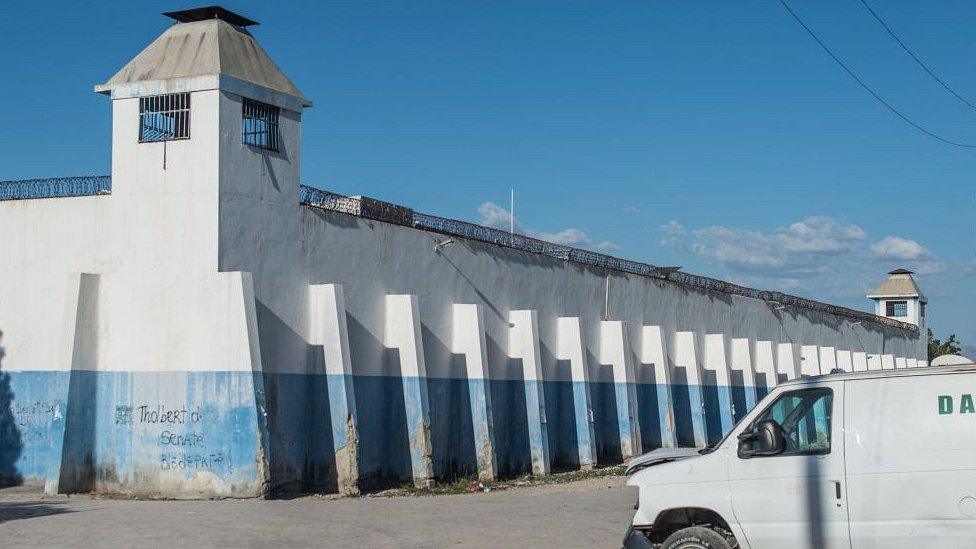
<point x="696" y="537"/>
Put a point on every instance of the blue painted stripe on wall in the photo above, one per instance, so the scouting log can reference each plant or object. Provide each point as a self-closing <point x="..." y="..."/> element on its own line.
<point x="219" y="435"/>
<point x="148" y="433"/>
<point x="625" y="395"/>
<point x="537" y="424"/>
<point x="337" y="387"/>
<point x="698" y="411"/>
<point x="581" y="406"/>
<point x="482" y="427"/>
<point x="718" y="411"/>
<point x="32" y="410"/>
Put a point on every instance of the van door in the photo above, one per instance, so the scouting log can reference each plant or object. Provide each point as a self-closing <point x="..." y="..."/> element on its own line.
<point x="911" y="460"/>
<point x="796" y="498"/>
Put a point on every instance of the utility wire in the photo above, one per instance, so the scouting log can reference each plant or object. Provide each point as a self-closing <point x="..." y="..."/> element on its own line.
<point x="867" y="88"/>
<point x="915" y="57"/>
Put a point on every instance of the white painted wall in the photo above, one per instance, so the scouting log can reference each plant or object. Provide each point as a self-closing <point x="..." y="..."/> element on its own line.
<point x="766" y="363"/>
<point x="654" y="353"/>
<point x="715" y="359"/>
<point x="809" y="360"/>
<point x="786" y="361"/>
<point x="742" y="360"/>
<point x="163" y="306"/>
<point x="845" y="360"/>
<point x="828" y="359"/>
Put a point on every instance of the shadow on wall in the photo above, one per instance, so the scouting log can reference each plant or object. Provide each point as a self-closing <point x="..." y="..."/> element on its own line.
<point x="452" y="430"/>
<point x="738" y="389"/>
<point x="320" y="468"/>
<point x="78" y="472"/>
<point x="384" y="451"/>
<point x="561" y="415"/>
<point x="712" y="406"/>
<point x="650" y="422"/>
<point x="606" y="431"/>
<point x="510" y="418"/>
<point x="11" y="443"/>
<point x="295" y="415"/>
<point x="684" y="429"/>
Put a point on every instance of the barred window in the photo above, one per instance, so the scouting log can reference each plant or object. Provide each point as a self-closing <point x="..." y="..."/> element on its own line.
<point x="896" y="308"/>
<point x="164" y="117"/>
<point x="260" y="124"/>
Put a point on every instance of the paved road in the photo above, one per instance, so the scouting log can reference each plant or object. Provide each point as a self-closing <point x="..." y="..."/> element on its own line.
<point x="588" y="513"/>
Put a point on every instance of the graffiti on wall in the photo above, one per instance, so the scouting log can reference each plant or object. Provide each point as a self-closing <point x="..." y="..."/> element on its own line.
<point x="180" y="434"/>
<point x="33" y="420"/>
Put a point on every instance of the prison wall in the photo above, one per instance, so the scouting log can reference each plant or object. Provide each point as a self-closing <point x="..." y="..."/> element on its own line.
<point x="174" y="340"/>
<point x="372" y="259"/>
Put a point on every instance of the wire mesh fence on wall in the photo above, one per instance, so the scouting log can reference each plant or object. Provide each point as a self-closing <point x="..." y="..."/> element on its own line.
<point x="55" y="187"/>
<point x="401" y="215"/>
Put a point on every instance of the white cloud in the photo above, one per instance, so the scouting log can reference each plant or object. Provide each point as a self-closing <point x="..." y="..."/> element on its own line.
<point x="566" y="237"/>
<point x="817" y="255"/>
<point x="798" y="249"/>
<point x="819" y="234"/>
<point x="926" y="268"/>
<point x="785" y="284"/>
<point x="893" y="247"/>
<point x="673" y="228"/>
<point x="493" y="215"/>
<point x="739" y="248"/>
<point x="606" y="246"/>
<point x="674" y="233"/>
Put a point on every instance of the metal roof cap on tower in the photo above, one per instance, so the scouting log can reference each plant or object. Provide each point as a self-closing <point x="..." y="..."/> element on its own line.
<point x="211" y="12"/>
<point x="213" y="41"/>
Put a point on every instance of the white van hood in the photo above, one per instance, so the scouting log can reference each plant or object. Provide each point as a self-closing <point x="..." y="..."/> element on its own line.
<point x="661" y="455"/>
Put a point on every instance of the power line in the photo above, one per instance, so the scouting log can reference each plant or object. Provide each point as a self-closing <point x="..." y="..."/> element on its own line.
<point x="915" y="57"/>
<point x="867" y="88"/>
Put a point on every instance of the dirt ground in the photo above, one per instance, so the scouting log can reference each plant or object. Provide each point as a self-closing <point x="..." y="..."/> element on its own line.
<point x="593" y="512"/>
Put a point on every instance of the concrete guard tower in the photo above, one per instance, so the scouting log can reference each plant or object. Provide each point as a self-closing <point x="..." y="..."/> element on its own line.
<point x="899" y="298"/>
<point x="168" y="377"/>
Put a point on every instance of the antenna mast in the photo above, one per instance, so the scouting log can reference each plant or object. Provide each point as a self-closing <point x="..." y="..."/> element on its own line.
<point x="511" y="211"/>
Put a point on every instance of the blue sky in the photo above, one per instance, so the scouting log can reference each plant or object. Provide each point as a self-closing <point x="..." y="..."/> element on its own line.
<point x="713" y="135"/>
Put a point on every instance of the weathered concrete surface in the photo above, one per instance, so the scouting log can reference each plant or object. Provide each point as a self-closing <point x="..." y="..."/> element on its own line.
<point x="589" y="513"/>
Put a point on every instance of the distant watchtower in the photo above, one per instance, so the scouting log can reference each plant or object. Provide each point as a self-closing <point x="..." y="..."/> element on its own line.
<point x="899" y="298"/>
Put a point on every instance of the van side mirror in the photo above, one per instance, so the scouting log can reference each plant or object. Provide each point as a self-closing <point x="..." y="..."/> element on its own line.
<point x="764" y="439"/>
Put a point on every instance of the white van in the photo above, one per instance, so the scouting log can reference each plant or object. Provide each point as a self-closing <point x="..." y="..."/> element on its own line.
<point x="871" y="459"/>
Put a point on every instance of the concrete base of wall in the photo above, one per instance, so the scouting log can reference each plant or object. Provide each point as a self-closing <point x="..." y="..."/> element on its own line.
<point x="148" y="434"/>
<point x="200" y="434"/>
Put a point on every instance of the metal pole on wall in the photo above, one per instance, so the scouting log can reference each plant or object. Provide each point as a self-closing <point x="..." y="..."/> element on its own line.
<point x="511" y="211"/>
